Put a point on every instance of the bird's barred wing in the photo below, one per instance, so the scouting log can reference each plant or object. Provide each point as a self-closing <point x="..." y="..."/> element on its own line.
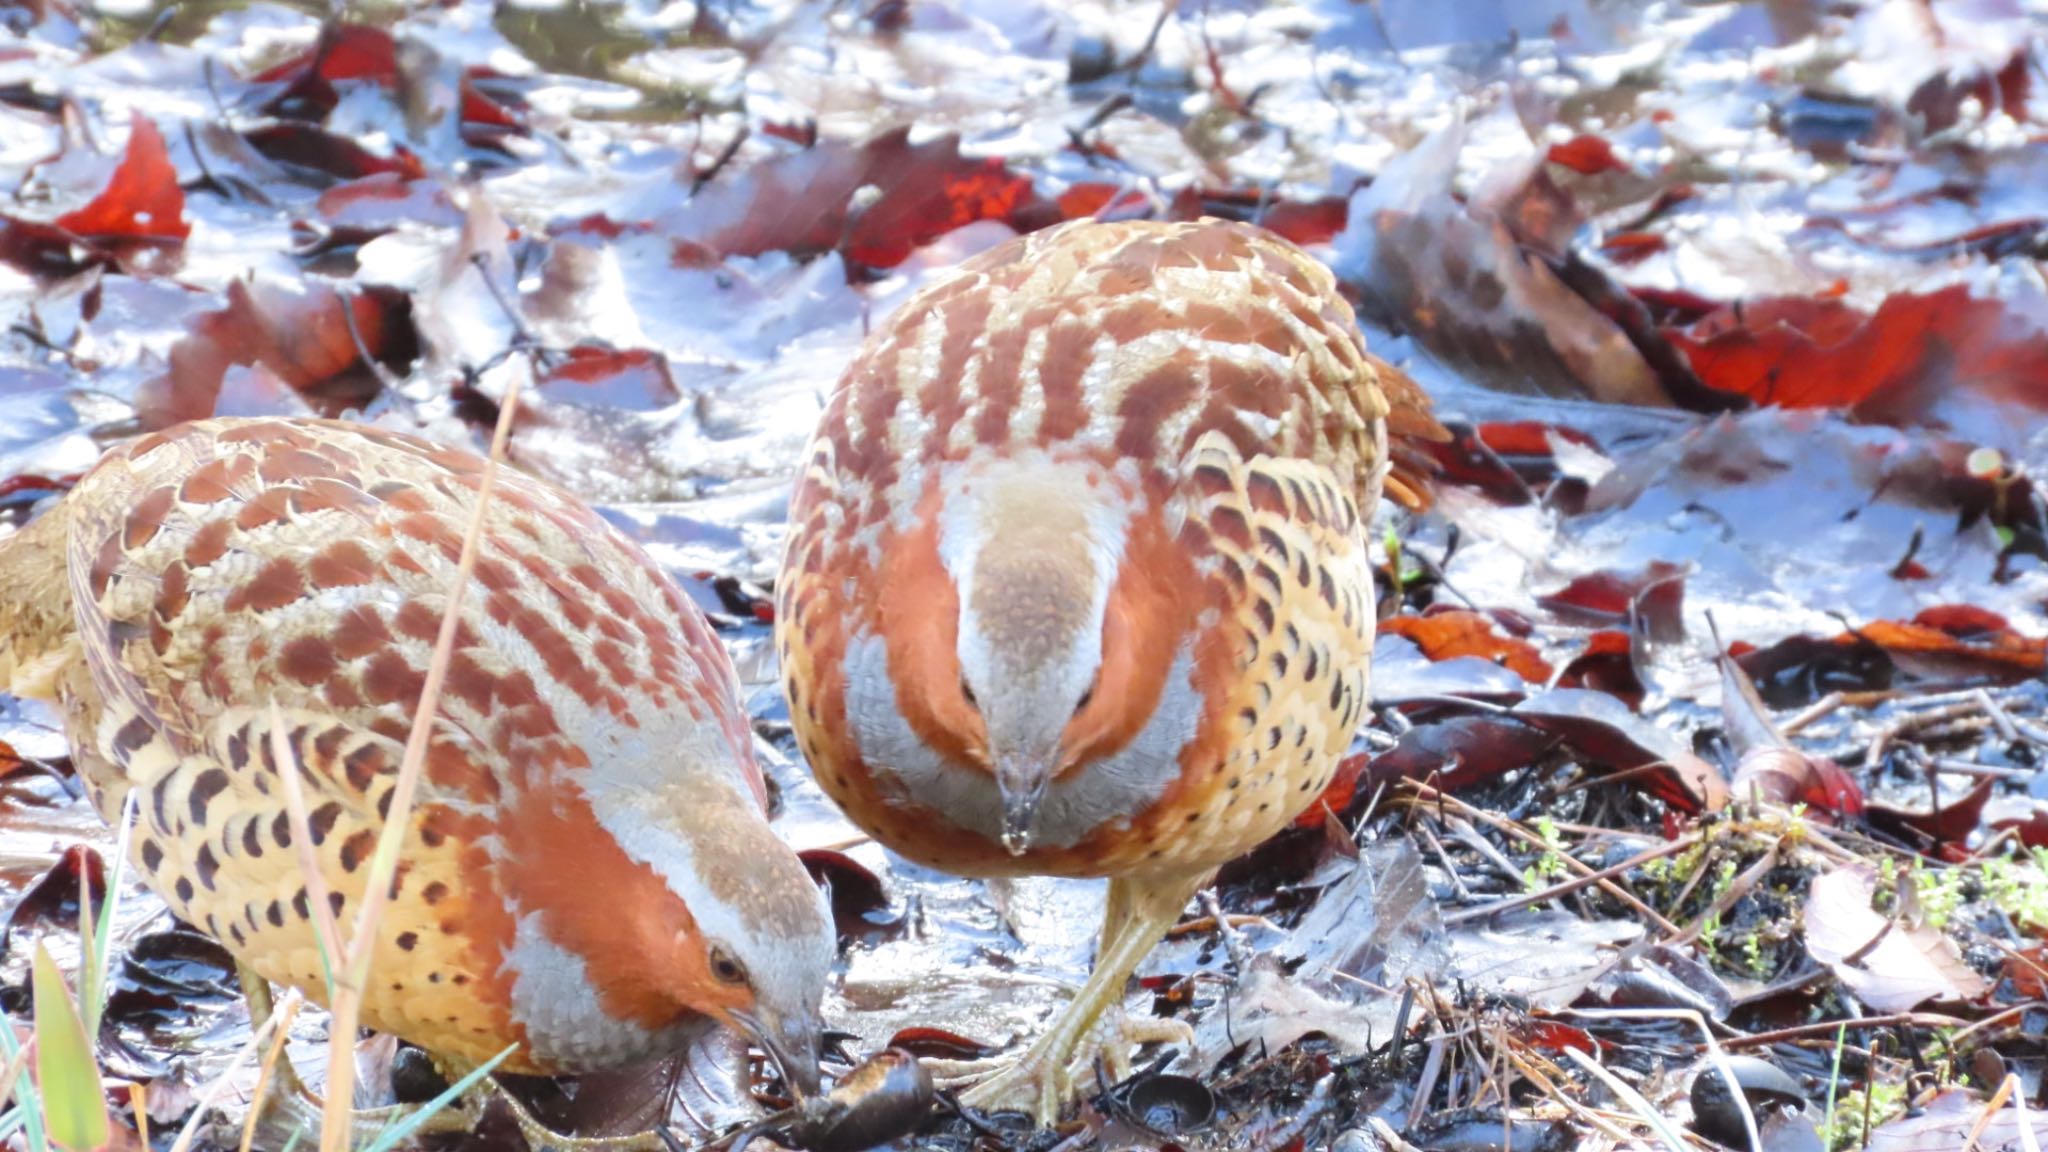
<point x="226" y="565"/>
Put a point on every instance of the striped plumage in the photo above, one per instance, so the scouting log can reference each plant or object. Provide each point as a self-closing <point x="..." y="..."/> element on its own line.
<point x="1077" y="581"/>
<point x="589" y="871"/>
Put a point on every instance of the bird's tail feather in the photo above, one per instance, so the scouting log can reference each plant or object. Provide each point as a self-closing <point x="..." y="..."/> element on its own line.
<point x="1412" y="428"/>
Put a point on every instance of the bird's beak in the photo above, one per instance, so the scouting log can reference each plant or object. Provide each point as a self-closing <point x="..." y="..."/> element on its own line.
<point x="795" y="1044"/>
<point x="1021" y="780"/>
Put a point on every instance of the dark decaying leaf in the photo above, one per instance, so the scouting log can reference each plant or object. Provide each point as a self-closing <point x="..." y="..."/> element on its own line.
<point x="1943" y="643"/>
<point x="51" y="900"/>
<point x="1602" y="732"/>
<point x="1606" y="664"/>
<point x="302" y="339"/>
<point x="860" y="905"/>
<point x="315" y="152"/>
<point x="166" y="981"/>
<point x="1451" y="753"/>
<point x="1653" y="596"/>
<point x="1798" y="670"/>
<point x="1948" y="822"/>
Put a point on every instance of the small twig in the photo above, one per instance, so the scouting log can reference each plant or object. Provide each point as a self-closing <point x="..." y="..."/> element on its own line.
<point x="1827" y="1028"/>
<point x="1566" y="887"/>
<point x="1818" y="710"/>
<point x="385" y="376"/>
<point x="1166" y="11"/>
<point x="718" y="162"/>
<point x="1738" y="888"/>
<point x="296" y="811"/>
<point x="1643" y="1109"/>
<point x="1428" y="794"/>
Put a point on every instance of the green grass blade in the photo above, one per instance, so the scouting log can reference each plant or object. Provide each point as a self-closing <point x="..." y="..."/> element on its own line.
<point x="74" y="1104"/>
<point x="29" y="1099"/>
<point x="94" y="974"/>
<point x="403" y="1129"/>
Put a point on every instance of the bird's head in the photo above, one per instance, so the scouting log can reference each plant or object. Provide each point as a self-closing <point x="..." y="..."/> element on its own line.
<point x="685" y="906"/>
<point x="1044" y="653"/>
<point x="761" y="951"/>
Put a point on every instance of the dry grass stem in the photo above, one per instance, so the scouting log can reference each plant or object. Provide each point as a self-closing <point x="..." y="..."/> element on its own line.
<point x="297" y="812"/>
<point x="1643" y="1110"/>
<point x="355" y="959"/>
<point x="284" y="1013"/>
<point x="287" y="1006"/>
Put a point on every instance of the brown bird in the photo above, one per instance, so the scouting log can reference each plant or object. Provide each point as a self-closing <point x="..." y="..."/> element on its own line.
<point x="1077" y="581"/>
<point x="589" y="872"/>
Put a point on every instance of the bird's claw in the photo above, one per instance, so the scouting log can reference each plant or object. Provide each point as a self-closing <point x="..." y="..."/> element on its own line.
<point x="1042" y="1081"/>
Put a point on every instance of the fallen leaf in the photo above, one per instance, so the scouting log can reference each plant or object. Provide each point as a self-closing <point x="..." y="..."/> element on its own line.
<point x="1607" y="736"/>
<point x="1799" y="670"/>
<point x="142" y="201"/>
<point x="1454" y="752"/>
<point x="1889" y="966"/>
<point x="314" y="150"/>
<point x="1444" y="635"/>
<point x="1890" y="366"/>
<point x="1948" y="1122"/>
<point x="632" y="380"/>
<point x="1512" y="462"/>
<point x="1587" y="155"/>
<point x="342" y="52"/>
<point x="2031" y="830"/>
<point x="1939" y="644"/>
<point x="1953" y="822"/>
<point x="1480" y="282"/>
<point x="1654" y="596"/>
<point x="1606" y="664"/>
<point x="301" y="337"/>
<point x="1768" y="766"/>
<point x="803" y="202"/>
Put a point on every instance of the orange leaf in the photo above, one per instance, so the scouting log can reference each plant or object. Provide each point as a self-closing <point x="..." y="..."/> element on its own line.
<point x="1444" y="635"/>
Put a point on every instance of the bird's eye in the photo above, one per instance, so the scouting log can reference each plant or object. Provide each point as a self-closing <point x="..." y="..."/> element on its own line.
<point x="1082" y="703"/>
<point x="967" y="691"/>
<point x="727" y="969"/>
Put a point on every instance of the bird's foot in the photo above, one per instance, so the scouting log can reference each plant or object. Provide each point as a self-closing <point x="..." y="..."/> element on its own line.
<point x="1046" y="1078"/>
<point x="541" y="1138"/>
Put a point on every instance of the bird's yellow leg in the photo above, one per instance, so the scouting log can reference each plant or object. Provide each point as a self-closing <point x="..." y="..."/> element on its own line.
<point x="1138" y="915"/>
<point x="291" y="1107"/>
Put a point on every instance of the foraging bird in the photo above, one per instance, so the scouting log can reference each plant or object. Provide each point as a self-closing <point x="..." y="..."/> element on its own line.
<point x="1077" y="581"/>
<point x="589" y="871"/>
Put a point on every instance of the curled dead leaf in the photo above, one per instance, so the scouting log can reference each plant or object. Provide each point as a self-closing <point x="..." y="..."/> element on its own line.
<point x="1889" y="965"/>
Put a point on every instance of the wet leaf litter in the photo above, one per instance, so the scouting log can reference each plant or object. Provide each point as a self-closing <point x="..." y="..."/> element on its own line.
<point x="1736" y="312"/>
